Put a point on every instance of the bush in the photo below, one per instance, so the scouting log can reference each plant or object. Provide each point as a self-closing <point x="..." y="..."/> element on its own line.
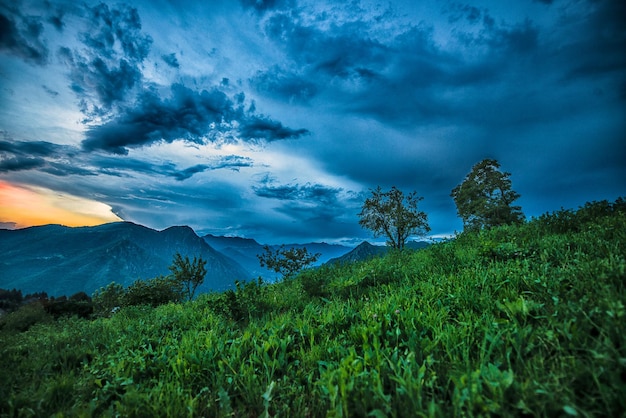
<point x="107" y="298"/>
<point x="158" y="291"/>
<point x="315" y="282"/>
<point x="247" y="301"/>
<point x="68" y="307"/>
<point x="25" y="317"/>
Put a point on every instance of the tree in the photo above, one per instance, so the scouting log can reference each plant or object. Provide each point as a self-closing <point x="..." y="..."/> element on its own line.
<point x="484" y="199"/>
<point x="286" y="261"/>
<point x="394" y="215"/>
<point x="189" y="274"/>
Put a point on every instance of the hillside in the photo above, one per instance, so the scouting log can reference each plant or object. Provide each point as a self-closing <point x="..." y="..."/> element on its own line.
<point x="363" y="251"/>
<point x="243" y="250"/>
<point x="514" y="321"/>
<point x="62" y="260"/>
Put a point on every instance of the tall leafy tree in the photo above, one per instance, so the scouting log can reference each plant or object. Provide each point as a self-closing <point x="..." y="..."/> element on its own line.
<point x="393" y="215"/>
<point x="189" y="273"/>
<point x="286" y="261"/>
<point x="485" y="198"/>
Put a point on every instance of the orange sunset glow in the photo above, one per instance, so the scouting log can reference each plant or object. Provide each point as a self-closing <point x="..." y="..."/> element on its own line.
<point x="22" y="206"/>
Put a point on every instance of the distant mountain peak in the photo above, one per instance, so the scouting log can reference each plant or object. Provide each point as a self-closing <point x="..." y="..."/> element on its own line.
<point x="363" y="251"/>
<point x="64" y="260"/>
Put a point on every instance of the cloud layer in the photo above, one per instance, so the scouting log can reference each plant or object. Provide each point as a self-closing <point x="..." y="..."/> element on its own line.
<point x="273" y="119"/>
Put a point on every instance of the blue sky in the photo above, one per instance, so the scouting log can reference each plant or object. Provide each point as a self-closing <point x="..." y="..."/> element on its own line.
<point x="273" y="119"/>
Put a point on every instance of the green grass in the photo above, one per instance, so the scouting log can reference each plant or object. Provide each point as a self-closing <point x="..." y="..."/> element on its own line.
<point x="521" y="320"/>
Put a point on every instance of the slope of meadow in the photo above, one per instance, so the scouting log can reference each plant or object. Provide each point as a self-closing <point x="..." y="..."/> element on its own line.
<point x="516" y="321"/>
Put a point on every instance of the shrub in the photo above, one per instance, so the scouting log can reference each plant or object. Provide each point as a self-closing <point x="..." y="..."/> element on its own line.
<point x="248" y="300"/>
<point x="107" y="298"/>
<point x="315" y="282"/>
<point x="68" y="307"/>
<point x="25" y="317"/>
<point x="158" y="291"/>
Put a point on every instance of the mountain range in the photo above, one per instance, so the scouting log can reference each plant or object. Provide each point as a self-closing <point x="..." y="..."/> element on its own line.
<point x="64" y="260"/>
<point x="246" y="251"/>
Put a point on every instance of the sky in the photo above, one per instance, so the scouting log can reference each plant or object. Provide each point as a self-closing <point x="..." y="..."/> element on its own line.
<point x="274" y="119"/>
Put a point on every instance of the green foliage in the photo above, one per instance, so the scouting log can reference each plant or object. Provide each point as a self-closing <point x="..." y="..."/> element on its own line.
<point x="393" y="215"/>
<point x="10" y="300"/>
<point x="190" y="274"/>
<point x="247" y="301"/>
<point x="286" y="261"/>
<point x="108" y="298"/>
<point x="76" y="305"/>
<point x="485" y="199"/>
<point x="157" y="291"/>
<point x="516" y="320"/>
<point x="25" y="317"/>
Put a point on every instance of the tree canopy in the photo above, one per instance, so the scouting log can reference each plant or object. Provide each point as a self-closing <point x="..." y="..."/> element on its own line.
<point x="485" y="198"/>
<point x="189" y="273"/>
<point x="286" y="261"/>
<point x="393" y="215"/>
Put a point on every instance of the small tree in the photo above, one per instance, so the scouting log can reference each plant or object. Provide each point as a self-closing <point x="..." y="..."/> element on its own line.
<point x="286" y="261"/>
<point x="484" y="199"/>
<point x="393" y="215"/>
<point x="108" y="298"/>
<point x="190" y="274"/>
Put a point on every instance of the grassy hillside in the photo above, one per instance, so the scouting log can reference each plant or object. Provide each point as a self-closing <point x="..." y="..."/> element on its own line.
<point x="515" y="321"/>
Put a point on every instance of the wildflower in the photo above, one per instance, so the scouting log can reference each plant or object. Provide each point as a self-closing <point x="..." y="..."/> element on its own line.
<point x="397" y="311"/>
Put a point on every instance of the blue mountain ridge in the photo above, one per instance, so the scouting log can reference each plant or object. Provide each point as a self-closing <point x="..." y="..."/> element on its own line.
<point x="64" y="260"/>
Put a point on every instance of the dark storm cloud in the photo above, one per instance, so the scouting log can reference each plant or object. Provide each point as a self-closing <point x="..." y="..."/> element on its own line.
<point x="197" y="117"/>
<point x="171" y="60"/>
<point x="601" y="51"/>
<point x="22" y="36"/>
<point x="111" y="84"/>
<point x="263" y="128"/>
<point x="187" y="115"/>
<point x="39" y="148"/>
<point x="58" y="160"/>
<point x="20" y="163"/>
<point x="262" y="6"/>
<point x="303" y="201"/>
<point x="127" y="167"/>
<point x="349" y="65"/>
<point x="62" y="169"/>
<point x="232" y="162"/>
<point x="63" y="160"/>
<point x="521" y="38"/>
<point x="316" y="208"/>
<point x="284" y="85"/>
<point x="104" y="73"/>
<point x="335" y="53"/>
<point x="57" y="21"/>
<point x="399" y="79"/>
<point x="458" y="11"/>
<point x="307" y="192"/>
<point x="110" y="27"/>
